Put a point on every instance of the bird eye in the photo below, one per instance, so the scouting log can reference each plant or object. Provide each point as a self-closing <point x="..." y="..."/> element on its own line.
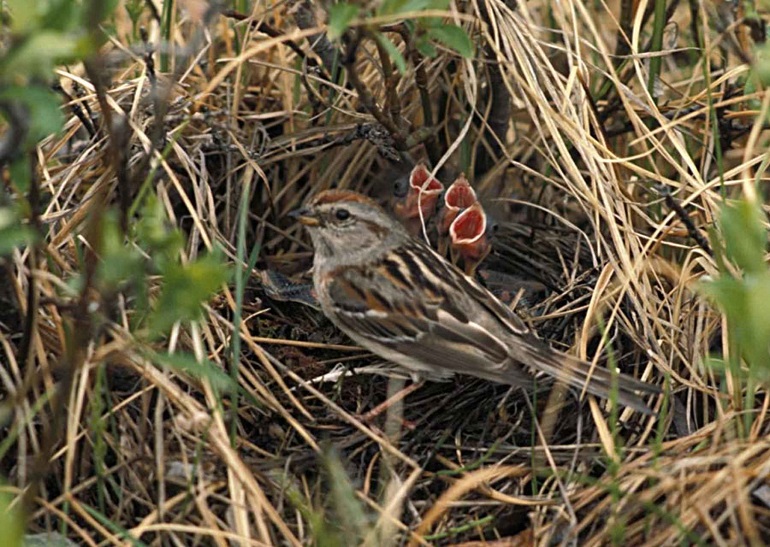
<point x="400" y="187"/>
<point x="342" y="214"/>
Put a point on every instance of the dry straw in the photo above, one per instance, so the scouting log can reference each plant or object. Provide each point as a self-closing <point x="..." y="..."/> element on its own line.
<point x="146" y="451"/>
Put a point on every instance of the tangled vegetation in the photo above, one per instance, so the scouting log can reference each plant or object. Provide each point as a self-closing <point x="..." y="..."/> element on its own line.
<point x="165" y="377"/>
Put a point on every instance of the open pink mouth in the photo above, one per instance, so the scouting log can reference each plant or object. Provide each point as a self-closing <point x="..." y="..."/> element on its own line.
<point x="469" y="227"/>
<point x="460" y="195"/>
<point x="420" y="176"/>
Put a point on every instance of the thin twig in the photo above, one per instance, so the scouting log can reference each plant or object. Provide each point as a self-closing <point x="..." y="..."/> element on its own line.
<point x="422" y="82"/>
<point x="365" y="96"/>
<point x="685" y="219"/>
<point x="319" y="43"/>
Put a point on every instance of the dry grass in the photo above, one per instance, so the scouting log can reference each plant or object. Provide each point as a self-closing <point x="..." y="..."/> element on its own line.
<point x="144" y="452"/>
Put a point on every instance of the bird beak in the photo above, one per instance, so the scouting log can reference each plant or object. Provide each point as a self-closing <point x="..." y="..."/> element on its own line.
<point x="305" y="217"/>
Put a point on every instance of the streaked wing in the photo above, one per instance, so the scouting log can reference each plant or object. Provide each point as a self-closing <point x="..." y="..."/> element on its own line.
<point x="412" y="303"/>
<point x="414" y="307"/>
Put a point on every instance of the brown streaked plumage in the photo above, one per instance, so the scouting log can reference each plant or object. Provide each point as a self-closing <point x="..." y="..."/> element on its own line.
<point x="392" y="294"/>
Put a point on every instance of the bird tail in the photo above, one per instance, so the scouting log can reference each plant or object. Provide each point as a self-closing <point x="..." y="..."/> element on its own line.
<point x="596" y="380"/>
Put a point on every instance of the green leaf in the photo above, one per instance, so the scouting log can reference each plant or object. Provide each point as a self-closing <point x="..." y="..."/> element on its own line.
<point x="453" y="37"/>
<point x="728" y="292"/>
<point x="754" y="328"/>
<point x="761" y="65"/>
<point x="27" y="16"/>
<point x="12" y="233"/>
<point x="716" y="364"/>
<point x="750" y="87"/>
<point x="11" y="522"/>
<point x="20" y="172"/>
<point x="63" y="15"/>
<point x="43" y="109"/>
<point x="425" y="47"/>
<point x="154" y="233"/>
<point x="430" y="22"/>
<point x="391" y="7"/>
<point x="38" y="55"/>
<point x="121" y="263"/>
<point x="743" y="297"/>
<point x="204" y="370"/>
<point x="340" y="16"/>
<point x="393" y="52"/>
<point x="24" y="15"/>
<point x="744" y="303"/>
<point x="185" y="288"/>
<point x="745" y="236"/>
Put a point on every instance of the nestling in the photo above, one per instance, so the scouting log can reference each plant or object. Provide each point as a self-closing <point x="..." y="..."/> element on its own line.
<point x="468" y="236"/>
<point x="458" y="197"/>
<point x="394" y="295"/>
<point x="419" y="199"/>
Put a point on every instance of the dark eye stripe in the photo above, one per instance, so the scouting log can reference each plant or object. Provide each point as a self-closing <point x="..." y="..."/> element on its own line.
<point x="380" y="231"/>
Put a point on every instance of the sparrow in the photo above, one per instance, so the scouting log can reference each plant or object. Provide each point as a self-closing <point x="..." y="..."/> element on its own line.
<point x="394" y="295"/>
